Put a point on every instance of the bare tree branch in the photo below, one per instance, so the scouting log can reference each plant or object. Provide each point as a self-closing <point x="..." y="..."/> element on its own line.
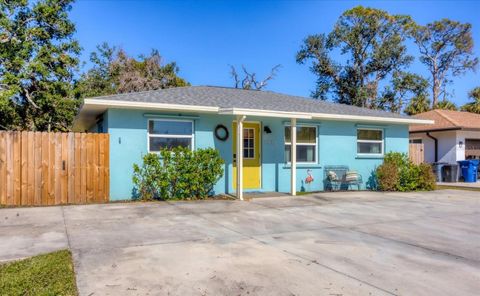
<point x="249" y="80"/>
<point x="234" y="75"/>
<point x="29" y="98"/>
<point x="273" y="74"/>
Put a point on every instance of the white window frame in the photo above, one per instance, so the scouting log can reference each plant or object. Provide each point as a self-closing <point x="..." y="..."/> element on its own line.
<point x="149" y="135"/>
<point x="382" y="142"/>
<point x="316" y="161"/>
<point x="243" y="147"/>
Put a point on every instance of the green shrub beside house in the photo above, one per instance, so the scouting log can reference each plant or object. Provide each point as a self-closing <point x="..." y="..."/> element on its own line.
<point x="398" y="173"/>
<point x="178" y="173"/>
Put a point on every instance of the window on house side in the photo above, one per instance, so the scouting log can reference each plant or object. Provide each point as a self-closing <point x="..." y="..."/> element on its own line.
<point x="306" y="144"/>
<point x="416" y="141"/>
<point x="370" y="141"/>
<point x="164" y="133"/>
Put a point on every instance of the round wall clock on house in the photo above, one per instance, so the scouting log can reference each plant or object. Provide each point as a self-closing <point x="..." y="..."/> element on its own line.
<point x="221" y="132"/>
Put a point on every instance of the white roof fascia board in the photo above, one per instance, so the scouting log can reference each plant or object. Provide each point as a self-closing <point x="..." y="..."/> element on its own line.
<point x="265" y="113"/>
<point x="370" y="118"/>
<point x="325" y="116"/>
<point x="147" y="105"/>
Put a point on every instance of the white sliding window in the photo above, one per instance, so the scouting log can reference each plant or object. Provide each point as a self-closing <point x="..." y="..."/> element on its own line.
<point x="169" y="133"/>
<point x="370" y="142"/>
<point x="306" y="144"/>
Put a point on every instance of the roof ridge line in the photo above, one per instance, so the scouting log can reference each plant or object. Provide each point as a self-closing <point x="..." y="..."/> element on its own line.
<point x="439" y="111"/>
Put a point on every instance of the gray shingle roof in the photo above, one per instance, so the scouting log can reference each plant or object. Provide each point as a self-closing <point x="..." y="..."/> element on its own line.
<point x="224" y="97"/>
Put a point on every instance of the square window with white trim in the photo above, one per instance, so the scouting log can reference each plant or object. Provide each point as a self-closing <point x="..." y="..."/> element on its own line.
<point x="306" y="144"/>
<point x="370" y="142"/>
<point x="169" y="133"/>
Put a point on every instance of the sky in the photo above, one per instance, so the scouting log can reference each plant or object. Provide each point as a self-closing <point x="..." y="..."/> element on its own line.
<point x="205" y="37"/>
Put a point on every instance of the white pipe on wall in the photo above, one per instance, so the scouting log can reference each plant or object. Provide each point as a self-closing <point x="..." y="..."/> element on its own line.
<point x="240" y="120"/>
<point x="293" y="160"/>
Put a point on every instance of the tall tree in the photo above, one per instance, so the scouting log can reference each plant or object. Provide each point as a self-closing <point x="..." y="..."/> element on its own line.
<point x="405" y="87"/>
<point x="445" y="105"/>
<point x="446" y="48"/>
<point x="114" y="72"/>
<point x="372" y="42"/>
<point x="418" y="104"/>
<point x="38" y="58"/>
<point x="99" y="80"/>
<point x="250" y="80"/>
<point x="473" y="106"/>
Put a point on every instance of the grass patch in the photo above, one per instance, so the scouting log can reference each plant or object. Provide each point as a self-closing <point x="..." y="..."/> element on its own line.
<point x="48" y="274"/>
<point x="440" y="187"/>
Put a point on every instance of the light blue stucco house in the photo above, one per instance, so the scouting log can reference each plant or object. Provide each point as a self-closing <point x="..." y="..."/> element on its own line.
<point x="204" y="116"/>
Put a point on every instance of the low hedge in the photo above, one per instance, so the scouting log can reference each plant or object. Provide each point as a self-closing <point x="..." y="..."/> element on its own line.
<point x="398" y="173"/>
<point x="178" y="173"/>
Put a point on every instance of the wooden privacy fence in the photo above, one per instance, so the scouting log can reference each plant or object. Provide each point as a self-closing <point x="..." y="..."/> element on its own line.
<point x="39" y="168"/>
<point x="416" y="153"/>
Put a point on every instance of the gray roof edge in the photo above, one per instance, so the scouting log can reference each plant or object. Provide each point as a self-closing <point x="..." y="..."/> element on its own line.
<point x="133" y="93"/>
<point x="351" y="108"/>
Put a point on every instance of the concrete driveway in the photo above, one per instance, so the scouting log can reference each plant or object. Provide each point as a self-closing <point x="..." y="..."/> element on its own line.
<point x="322" y="244"/>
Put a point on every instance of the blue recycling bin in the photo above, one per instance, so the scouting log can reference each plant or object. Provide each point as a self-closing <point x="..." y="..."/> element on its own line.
<point x="469" y="170"/>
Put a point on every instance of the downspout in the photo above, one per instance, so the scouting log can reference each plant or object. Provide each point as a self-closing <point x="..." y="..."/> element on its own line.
<point x="435" y="140"/>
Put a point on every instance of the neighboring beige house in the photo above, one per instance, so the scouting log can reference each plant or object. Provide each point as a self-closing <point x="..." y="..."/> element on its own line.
<point x="454" y="136"/>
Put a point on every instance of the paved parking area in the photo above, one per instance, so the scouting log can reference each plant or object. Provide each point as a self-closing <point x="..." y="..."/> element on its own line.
<point x="355" y="243"/>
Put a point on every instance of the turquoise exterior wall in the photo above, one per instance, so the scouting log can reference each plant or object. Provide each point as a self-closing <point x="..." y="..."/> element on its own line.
<point x="336" y="144"/>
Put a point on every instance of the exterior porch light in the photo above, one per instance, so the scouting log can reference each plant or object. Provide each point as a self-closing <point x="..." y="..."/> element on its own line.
<point x="240" y="120"/>
<point x="293" y="157"/>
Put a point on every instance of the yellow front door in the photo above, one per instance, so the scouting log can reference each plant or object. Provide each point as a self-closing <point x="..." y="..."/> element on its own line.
<point x="251" y="155"/>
